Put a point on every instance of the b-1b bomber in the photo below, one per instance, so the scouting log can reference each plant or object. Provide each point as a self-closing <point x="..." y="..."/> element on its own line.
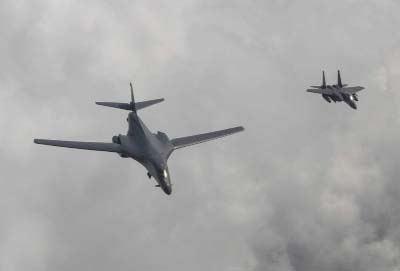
<point x="152" y="150"/>
<point x="337" y="93"/>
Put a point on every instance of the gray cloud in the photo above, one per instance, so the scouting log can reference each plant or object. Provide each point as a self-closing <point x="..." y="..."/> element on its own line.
<point x="308" y="186"/>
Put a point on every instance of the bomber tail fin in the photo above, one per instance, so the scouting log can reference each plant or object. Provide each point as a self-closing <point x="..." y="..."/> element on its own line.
<point x="133" y="104"/>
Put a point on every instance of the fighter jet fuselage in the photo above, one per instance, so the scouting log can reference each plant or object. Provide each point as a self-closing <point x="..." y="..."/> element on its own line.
<point x="337" y="93"/>
<point x="341" y="96"/>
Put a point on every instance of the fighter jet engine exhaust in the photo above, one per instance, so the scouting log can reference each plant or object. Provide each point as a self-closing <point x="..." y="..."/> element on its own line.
<point x="326" y="97"/>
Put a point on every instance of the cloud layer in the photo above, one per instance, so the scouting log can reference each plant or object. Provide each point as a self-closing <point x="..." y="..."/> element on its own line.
<point x="308" y="186"/>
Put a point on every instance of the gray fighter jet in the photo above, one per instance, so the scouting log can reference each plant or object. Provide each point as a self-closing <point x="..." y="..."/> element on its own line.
<point x="337" y="93"/>
<point x="150" y="150"/>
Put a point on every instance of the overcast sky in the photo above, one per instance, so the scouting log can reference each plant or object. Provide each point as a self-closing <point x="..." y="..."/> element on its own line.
<point x="308" y="186"/>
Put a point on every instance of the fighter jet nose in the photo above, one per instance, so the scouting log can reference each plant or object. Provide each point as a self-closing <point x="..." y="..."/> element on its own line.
<point x="168" y="190"/>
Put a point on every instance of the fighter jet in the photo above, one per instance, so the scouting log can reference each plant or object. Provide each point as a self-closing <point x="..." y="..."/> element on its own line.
<point x="337" y="93"/>
<point x="152" y="150"/>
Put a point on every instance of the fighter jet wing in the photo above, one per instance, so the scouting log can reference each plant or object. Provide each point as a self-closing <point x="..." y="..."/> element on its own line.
<point x="93" y="146"/>
<point x="351" y="90"/>
<point x="197" y="139"/>
<point x="320" y="91"/>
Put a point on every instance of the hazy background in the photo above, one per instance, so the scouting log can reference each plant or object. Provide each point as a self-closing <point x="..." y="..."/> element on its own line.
<point x="308" y="186"/>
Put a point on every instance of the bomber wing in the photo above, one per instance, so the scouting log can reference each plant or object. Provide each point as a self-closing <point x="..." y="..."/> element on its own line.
<point x="197" y="139"/>
<point x="92" y="146"/>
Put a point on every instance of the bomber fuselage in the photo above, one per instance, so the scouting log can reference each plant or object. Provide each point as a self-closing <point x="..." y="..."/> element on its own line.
<point x="150" y="150"/>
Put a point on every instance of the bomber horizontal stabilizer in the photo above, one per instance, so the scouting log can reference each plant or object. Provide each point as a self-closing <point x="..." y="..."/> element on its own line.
<point x="128" y="106"/>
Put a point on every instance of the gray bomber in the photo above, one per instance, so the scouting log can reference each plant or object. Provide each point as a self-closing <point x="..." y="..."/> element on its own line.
<point x="337" y="93"/>
<point x="150" y="150"/>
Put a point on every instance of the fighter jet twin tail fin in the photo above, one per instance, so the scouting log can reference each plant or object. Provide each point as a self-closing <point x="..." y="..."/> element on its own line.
<point x="324" y="86"/>
<point x="132" y="106"/>
<point x="339" y="81"/>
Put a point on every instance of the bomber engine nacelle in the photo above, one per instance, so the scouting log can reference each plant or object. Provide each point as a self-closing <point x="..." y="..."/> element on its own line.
<point x="162" y="136"/>
<point x="117" y="140"/>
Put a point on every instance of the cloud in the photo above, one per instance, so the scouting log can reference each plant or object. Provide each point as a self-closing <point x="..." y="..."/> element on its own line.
<point x="308" y="186"/>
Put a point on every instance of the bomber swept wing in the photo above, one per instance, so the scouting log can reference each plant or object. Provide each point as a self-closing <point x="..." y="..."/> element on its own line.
<point x="200" y="138"/>
<point x="92" y="146"/>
